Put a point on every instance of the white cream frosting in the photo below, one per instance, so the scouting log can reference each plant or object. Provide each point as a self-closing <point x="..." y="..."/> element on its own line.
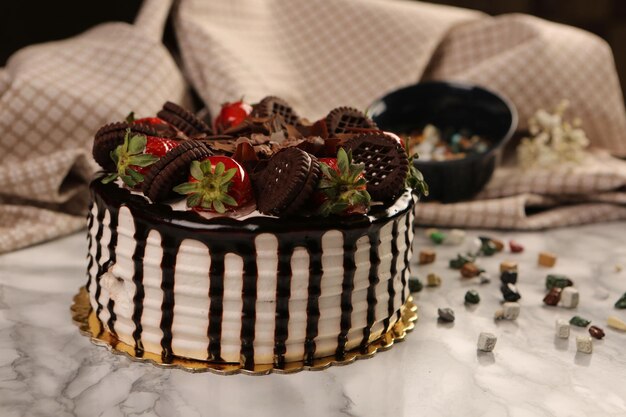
<point x="191" y="289"/>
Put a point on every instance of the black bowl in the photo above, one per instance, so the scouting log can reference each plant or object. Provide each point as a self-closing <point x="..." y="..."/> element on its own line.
<point x="456" y="106"/>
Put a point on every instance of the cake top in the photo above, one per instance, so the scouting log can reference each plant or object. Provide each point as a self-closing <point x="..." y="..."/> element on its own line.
<point x="262" y="157"/>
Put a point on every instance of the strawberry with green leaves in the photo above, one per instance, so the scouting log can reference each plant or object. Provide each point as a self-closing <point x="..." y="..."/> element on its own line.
<point x="216" y="184"/>
<point x="342" y="189"/>
<point x="134" y="157"/>
<point x="231" y="115"/>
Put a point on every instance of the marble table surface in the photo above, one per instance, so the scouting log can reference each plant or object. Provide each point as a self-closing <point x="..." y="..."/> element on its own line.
<point x="48" y="369"/>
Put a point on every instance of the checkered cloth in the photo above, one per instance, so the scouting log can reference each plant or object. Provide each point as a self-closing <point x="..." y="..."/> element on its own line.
<point x="316" y="54"/>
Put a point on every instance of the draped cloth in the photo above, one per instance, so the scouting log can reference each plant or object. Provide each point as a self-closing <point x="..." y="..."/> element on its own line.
<point x="317" y="55"/>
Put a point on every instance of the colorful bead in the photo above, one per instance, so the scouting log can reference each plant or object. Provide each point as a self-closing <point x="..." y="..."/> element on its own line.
<point x="562" y="328"/>
<point x="486" y="342"/>
<point x="616" y="323"/>
<point x="415" y="285"/>
<point x="579" y="321"/>
<point x="446" y="314"/>
<point x="433" y="280"/>
<point x="427" y="256"/>
<point x="472" y="297"/>
<point x="509" y="292"/>
<point x="621" y="303"/>
<point x="569" y="297"/>
<point x="561" y="281"/>
<point x="596" y="332"/>
<point x="546" y="259"/>
<point x="508" y="277"/>
<point x="584" y="344"/>
<point x="515" y="247"/>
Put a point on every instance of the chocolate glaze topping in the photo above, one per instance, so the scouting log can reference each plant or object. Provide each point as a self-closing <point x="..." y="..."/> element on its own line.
<point x="223" y="235"/>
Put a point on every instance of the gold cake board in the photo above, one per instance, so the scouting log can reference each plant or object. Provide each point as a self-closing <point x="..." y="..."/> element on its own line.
<point x="89" y="325"/>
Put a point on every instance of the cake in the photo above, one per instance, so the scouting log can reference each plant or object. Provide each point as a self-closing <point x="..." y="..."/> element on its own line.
<point x="263" y="239"/>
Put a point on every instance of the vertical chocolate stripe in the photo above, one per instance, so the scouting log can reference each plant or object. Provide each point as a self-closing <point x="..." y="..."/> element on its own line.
<point x="248" y="310"/>
<point x="216" y="307"/>
<point x="283" y="294"/>
<point x="315" y="251"/>
<point x="112" y="249"/>
<point x="140" y="237"/>
<point x="99" y="219"/>
<point x="407" y="262"/>
<point x="347" y="286"/>
<point x="89" y="245"/>
<point x="374" y="239"/>
<point x="170" y="247"/>
<point x="394" y="270"/>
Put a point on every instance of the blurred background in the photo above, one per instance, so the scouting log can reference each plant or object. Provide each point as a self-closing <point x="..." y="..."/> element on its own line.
<point x="26" y="22"/>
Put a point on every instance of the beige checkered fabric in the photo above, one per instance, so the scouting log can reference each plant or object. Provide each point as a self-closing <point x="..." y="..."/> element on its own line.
<point x="316" y="54"/>
<point x="53" y="97"/>
<point x="540" y="198"/>
<point x="536" y="64"/>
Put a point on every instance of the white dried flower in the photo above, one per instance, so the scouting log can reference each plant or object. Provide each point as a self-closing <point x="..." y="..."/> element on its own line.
<point x="553" y="140"/>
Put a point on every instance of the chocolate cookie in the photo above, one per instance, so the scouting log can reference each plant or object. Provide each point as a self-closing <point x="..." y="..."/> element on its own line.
<point x="274" y="105"/>
<point x="386" y="163"/>
<point x="344" y="119"/>
<point x="110" y="136"/>
<point x="172" y="169"/>
<point x="183" y="119"/>
<point x="287" y="182"/>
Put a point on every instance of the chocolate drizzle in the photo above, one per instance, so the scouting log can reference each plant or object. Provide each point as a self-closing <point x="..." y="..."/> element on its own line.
<point x="89" y="246"/>
<point x="170" y="245"/>
<point x="216" y="295"/>
<point x="248" y="311"/>
<point x="99" y="219"/>
<point x="394" y="270"/>
<point x="283" y="294"/>
<point x="347" y="286"/>
<point x="374" y="239"/>
<point x="224" y="235"/>
<point x="140" y="237"/>
<point x="314" y="248"/>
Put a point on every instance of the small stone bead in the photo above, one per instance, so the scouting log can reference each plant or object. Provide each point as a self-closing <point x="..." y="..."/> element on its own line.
<point x="584" y="344"/>
<point x="498" y="244"/>
<point x="433" y="280"/>
<point x="621" y="303"/>
<point x="460" y="260"/>
<point x="486" y="342"/>
<point x="427" y="256"/>
<point x="446" y="314"/>
<point x="561" y="281"/>
<point x="616" y="323"/>
<point x="596" y="332"/>
<point x="488" y="248"/>
<point x="515" y="247"/>
<point x="510" y="310"/>
<point x="508" y="266"/>
<point x="470" y="270"/>
<point x="484" y="278"/>
<point x="437" y="237"/>
<point x="475" y="245"/>
<point x="454" y="237"/>
<point x="579" y="321"/>
<point x="546" y="259"/>
<point x="415" y="285"/>
<point x="508" y="277"/>
<point x="552" y="298"/>
<point x="569" y="297"/>
<point x="509" y="292"/>
<point x="472" y="297"/>
<point x="562" y="328"/>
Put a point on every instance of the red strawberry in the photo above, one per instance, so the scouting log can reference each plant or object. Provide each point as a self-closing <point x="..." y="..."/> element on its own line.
<point x="152" y="121"/>
<point x="231" y="115"/>
<point x="342" y="189"/>
<point x="218" y="184"/>
<point x="134" y="157"/>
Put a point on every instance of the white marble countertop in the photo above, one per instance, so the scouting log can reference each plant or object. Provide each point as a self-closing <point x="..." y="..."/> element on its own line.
<point x="48" y="369"/>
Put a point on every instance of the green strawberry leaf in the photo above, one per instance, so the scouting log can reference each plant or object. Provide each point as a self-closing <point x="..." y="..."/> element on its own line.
<point x="131" y="117"/>
<point x="142" y="160"/>
<point x="188" y="188"/>
<point x="196" y="171"/>
<point x="136" y="144"/>
<point x="109" y="178"/>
